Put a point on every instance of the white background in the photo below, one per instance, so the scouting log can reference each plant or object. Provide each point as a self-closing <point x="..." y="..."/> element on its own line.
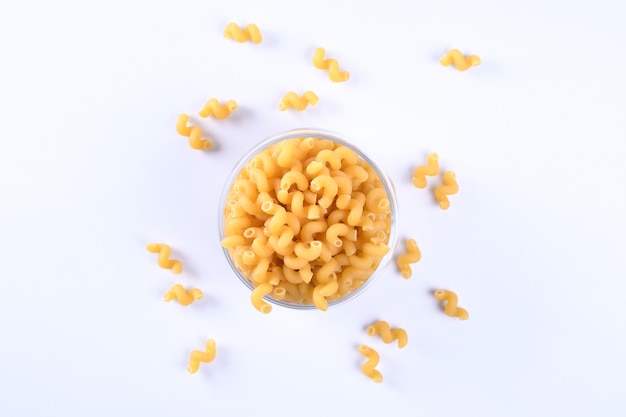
<point x="91" y="169"/>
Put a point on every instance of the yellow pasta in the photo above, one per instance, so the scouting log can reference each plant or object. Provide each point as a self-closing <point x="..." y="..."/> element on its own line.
<point x="185" y="298"/>
<point x="454" y="56"/>
<point x="388" y="334"/>
<point x="164" y="257"/>
<point x="305" y="233"/>
<point x="334" y="231"/>
<point x="450" y="187"/>
<point x="322" y="291"/>
<point x="412" y="256"/>
<point x="217" y="110"/>
<point x="291" y="99"/>
<point x="257" y="297"/>
<point x="451" y="308"/>
<point x="431" y="170"/>
<point x="329" y="186"/>
<point x="368" y="368"/>
<point x="308" y="251"/>
<point x="249" y="33"/>
<point x="193" y="132"/>
<point x="198" y="356"/>
<point x="331" y="65"/>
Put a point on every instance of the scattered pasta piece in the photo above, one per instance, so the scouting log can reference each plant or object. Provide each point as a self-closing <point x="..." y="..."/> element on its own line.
<point x="198" y="356"/>
<point x="454" y="56"/>
<point x="451" y="308"/>
<point x="183" y="297"/>
<point x="431" y="170"/>
<point x="306" y="221"/>
<point x="194" y="133"/>
<point x="164" y="257"/>
<point x="249" y="33"/>
<point x="217" y="110"/>
<point x="291" y="99"/>
<point x="450" y="187"/>
<point x="257" y="297"/>
<point x="412" y="256"/>
<point x="331" y="65"/>
<point x="372" y="361"/>
<point x="388" y="334"/>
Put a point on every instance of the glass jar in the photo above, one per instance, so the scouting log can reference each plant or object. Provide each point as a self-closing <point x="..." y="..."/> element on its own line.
<point x="391" y="238"/>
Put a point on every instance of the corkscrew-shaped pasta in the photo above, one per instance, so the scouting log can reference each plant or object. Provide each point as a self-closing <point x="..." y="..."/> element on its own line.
<point x="450" y="187"/>
<point x="183" y="297"/>
<point x="322" y="291"/>
<point x="291" y="99"/>
<point x="388" y="334"/>
<point x="249" y="33"/>
<point x="257" y="297"/>
<point x="368" y="368"/>
<point x="431" y="170"/>
<point x="454" y="56"/>
<point x="412" y="256"/>
<point x="164" y="257"/>
<point x="331" y="65"/>
<point x="194" y="133"/>
<point x="217" y="110"/>
<point x="198" y="356"/>
<point x="451" y="308"/>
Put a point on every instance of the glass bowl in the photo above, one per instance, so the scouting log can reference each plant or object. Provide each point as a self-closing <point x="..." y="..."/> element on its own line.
<point x="226" y="203"/>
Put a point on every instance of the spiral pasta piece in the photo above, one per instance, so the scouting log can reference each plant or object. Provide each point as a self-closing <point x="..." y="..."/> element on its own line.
<point x="368" y="368"/>
<point x="431" y="170"/>
<point x="388" y="334"/>
<point x="164" y="257"/>
<point x="322" y="291"/>
<point x="450" y="187"/>
<point x="291" y="99"/>
<point x="412" y="256"/>
<point x="183" y="297"/>
<point x="198" y="356"/>
<point x="193" y="132"/>
<point x="454" y="56"/>
<point x="249" y="33"/>
<point x="257" y="297"/>
<point x="217" y="110"/>
<point x="331" y="65"/>
<point x="452" y="300"/>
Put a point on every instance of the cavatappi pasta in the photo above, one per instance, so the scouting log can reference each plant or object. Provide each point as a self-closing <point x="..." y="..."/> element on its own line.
<point x="369" y="367"/>
<point x="388" y="334"/>
<point x="306" y="221"/>
<point x="451" y="308"/>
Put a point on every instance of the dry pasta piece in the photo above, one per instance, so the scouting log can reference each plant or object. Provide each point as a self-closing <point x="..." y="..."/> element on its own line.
<point x="249" y="33"/>
<point x="412" y="256"/>
<point x="331" y="65"/>
<point x="193" y="132"/>
<point x="368" y="368"/>
<point x="257" y="297"/>
<point x="451" y="308"/>
<point x="214" y="108"/>
<point x="183" y="297"/>
<point x="164" y="257"/>
<point x="305" y="233"/>
<point x="454" y="56"/>
<point x="198" y="356"/>
<point x="322" y="292"/>
<point x="450" y="187"/>
<point x="388" y="334"/>
<point x="431" y="170"/>
<point x="291" y="99"/>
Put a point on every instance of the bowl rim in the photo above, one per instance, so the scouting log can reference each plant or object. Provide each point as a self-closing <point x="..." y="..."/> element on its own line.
<point x="321" y="134"/>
